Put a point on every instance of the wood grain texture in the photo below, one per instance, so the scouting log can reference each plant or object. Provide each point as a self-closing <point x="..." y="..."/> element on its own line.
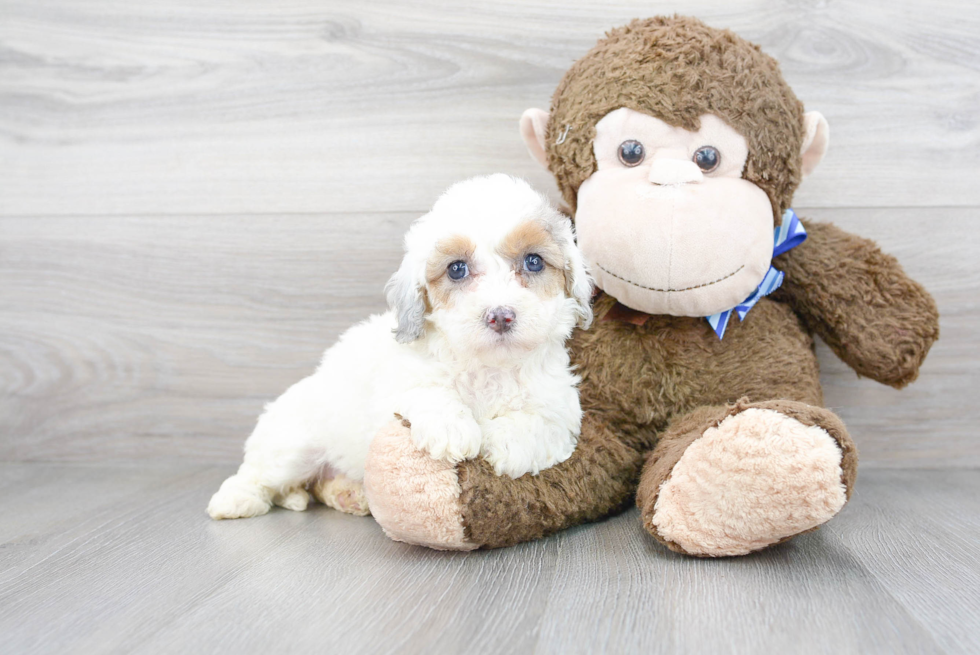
<point x="108" y="107"/>
<point x="197" y="198"/>
<point x="162" y="337"/>
<point x="918" y="557"/>
<point x="148" y="572"/>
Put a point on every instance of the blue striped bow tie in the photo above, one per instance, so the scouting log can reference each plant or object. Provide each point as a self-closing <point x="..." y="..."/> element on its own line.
<point x="788" y="235"/>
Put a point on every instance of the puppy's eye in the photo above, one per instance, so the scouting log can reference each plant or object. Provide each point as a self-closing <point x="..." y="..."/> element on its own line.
<point x="533" y="263"/>
<point x="631" y="152"/>
<point x="457" y="270"/>
<point x="707" y="158"/>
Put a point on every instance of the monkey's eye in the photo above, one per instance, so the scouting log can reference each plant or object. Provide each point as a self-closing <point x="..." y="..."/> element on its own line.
<point x="533" y="263"/>
<point x="631" y="152"/>
<point x="707" y="158"/>
<point x="457" y="270"/>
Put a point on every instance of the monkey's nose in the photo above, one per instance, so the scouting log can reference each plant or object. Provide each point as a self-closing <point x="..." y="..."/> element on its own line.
<point x="675" y="171"/>
<point x="500" y="319"/>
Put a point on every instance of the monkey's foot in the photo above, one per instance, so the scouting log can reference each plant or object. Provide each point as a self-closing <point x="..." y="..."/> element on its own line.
<point x="729" y="481"/>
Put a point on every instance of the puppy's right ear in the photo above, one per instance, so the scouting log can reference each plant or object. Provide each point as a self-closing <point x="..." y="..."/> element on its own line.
<point x="534" y="127"/>
<point x="406" y="297"/>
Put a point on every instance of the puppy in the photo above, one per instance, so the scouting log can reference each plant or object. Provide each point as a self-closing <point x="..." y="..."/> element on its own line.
<point x="471" y="353"/>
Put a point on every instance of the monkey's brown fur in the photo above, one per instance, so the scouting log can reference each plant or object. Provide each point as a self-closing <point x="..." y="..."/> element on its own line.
<point x="676" y="69"/>
<point x="651" y="387"/>
<point x="637" y="379"/>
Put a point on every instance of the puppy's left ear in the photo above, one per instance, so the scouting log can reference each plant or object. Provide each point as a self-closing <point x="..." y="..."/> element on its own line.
<point x="578" y="282"/>
<point x="406" y="297"/>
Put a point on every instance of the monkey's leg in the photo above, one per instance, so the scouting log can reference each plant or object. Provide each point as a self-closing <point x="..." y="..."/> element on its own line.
<point x="423" y="501"/>
<point x="731" y="480"/>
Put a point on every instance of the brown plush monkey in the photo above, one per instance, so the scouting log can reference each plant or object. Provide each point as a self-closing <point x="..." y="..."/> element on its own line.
<point x="678" y="147"/>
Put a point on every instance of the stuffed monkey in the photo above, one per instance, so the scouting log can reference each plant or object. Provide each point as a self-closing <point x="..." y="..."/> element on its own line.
<point x="677" y="148"/>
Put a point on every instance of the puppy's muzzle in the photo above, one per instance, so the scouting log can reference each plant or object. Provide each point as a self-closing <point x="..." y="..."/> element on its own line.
<point x="500" y="319"/>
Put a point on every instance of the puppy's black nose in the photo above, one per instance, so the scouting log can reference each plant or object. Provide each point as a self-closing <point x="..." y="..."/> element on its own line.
<point x="500" y="319"/>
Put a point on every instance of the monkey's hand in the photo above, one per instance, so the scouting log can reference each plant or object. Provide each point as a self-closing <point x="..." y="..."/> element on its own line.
<point x="860" y="301"/>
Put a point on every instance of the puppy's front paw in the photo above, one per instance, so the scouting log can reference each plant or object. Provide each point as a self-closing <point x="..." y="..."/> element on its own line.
<point x="237" y="499"/>
<point x="452" y="439"/>
<point x="519" y="443"/>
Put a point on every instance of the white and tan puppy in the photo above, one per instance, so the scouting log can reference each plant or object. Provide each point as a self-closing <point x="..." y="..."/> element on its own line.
<point x="471" y="353"/>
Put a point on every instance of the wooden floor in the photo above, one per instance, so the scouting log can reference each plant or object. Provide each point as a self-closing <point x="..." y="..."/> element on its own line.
<point x="197" y="197"/>
<point x="111" y="559"/>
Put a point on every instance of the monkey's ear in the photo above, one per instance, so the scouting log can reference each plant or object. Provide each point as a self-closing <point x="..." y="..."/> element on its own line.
<point x="534" y="127"/>
<point x="815" y="140"/>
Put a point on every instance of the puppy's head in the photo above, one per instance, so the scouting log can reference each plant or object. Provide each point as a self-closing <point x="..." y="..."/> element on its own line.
<point x="493" y="267"/>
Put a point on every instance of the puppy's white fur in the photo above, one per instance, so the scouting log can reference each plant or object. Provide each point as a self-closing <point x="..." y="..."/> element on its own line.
<point x="465" y="388"/>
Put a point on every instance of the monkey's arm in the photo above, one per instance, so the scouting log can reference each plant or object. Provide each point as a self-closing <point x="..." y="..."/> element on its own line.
<point x="860" y="301"/>
<point x="597" y="480"/>
<point x="423" y="501"/>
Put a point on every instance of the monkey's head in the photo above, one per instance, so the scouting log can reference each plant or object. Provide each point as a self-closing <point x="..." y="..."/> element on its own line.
<point x="678" y="147"/>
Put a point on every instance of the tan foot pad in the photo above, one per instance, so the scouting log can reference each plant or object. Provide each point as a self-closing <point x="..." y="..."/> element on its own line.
<point x="757" y="478"/>
<point x="415" y="498"/>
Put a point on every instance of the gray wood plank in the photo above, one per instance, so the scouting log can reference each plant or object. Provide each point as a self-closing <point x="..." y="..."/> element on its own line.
<point x="616" y="593"/>
<point x="138" y="338"/>
<point x="122" y="569"/>
<point x="311" y="106"/>
<point x="373" y="597"/>
<point x="920" y="537"/>
<point x="47" y="507"/>
<point x="154" y="576"/>
<point x="131" y="320"/>
<point x="149" y="572"/>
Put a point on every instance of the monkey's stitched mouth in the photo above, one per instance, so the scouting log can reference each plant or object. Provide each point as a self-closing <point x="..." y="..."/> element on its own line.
<point x="697" y="286"/>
